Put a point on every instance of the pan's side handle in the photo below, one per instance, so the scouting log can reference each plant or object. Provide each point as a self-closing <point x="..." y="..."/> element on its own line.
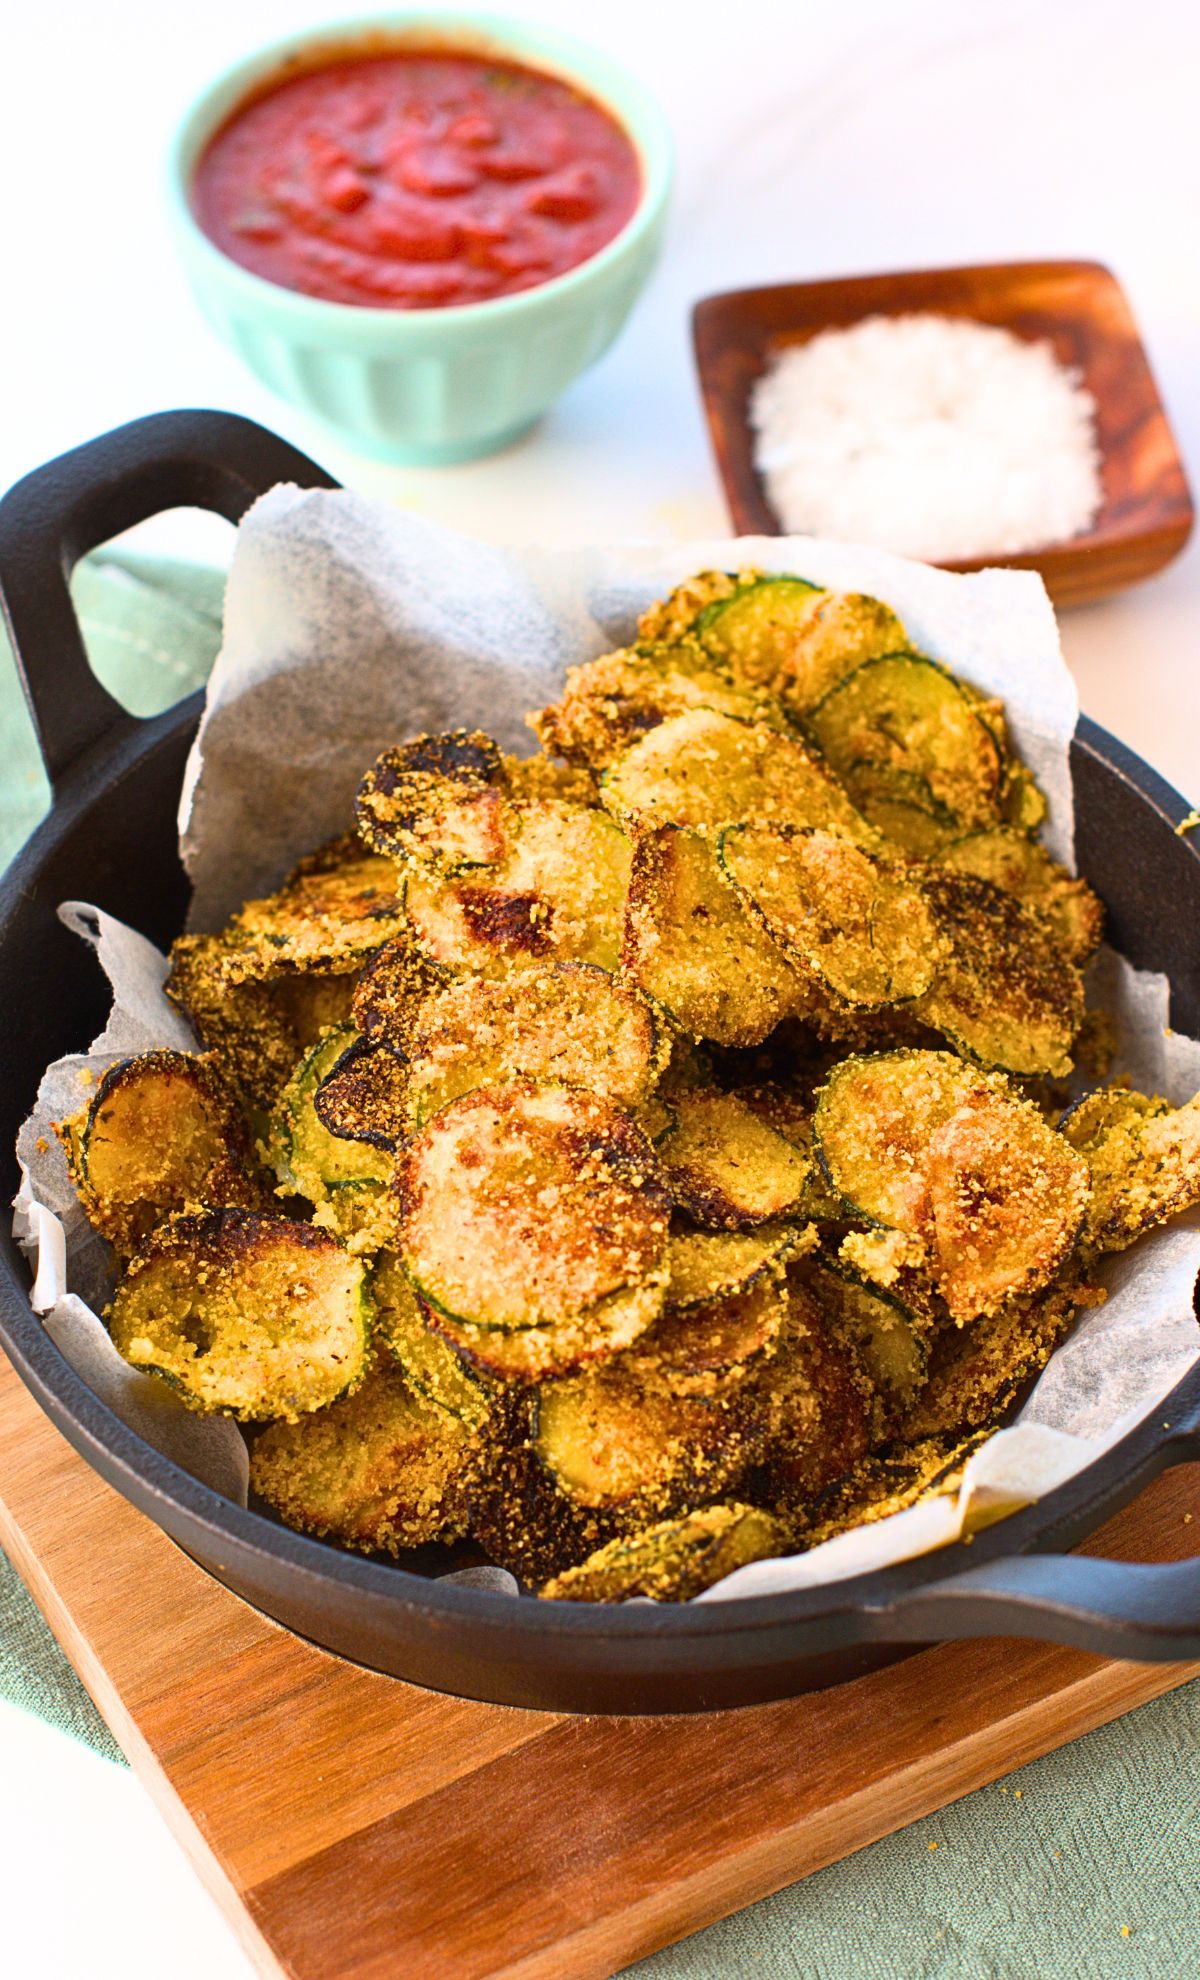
<point x="1146" y="1611"/>
<point x="48" y="521"/>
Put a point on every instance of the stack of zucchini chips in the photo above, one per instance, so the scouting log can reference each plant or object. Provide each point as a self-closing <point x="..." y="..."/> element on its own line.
<point x="651" y="1156"/>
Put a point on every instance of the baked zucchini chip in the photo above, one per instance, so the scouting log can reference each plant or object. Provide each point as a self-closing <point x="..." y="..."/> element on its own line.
<point x="517" y="1513"/>
<point x="902" y="715"/>
<point x="1143" y="1158"/>
<point x="255" y="1317"/>
<point x="391" y="991"/>
<point x="609" y="703"/>
<point x="852" y="921"/>
<point x="816" y="1410"/>
<point x="726" y="1167"/>
<point x="796" y="639"/>
<point x="692" y="946"/>
<point x="559" y="893"/>
<point x="703" y="1266"/>
<point x="956" y="1161"/>
<point x="439" y="800"/>
<point x="675" y="1560"/>
<point x="534" y="1214"/>
<point x="708" y="1349"/>
<point x="365" y="1094"/>
<point x="430" y="1365"/>
<point x="345" y="1180"/>
<point x="382" y="1470"/>
<point x="977" y="1373"/>
<point x="161" y="1132"/>
<point x="1008" y="997"/>
<point x="244" y="1025"/>
<point x="886" y="1482"/>
<point x="569" y="1024"/>
<point x="328" y="919"/>
<point x="612" y="1444"/>
<point x="890" y="1346"/>
<point x="704" y="770"/>
<point x="1017" y="865"/>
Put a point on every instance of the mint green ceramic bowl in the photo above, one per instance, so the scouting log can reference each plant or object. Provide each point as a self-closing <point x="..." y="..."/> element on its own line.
<point x="428" y="385"/>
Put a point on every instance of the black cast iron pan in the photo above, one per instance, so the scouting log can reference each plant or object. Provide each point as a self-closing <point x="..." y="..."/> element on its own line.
<point x="110" y="838"/>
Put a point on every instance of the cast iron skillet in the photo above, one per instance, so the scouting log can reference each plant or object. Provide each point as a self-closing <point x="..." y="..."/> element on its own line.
<point x="110" y="839"/>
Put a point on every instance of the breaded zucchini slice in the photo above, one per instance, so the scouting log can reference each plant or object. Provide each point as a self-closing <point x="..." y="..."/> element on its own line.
<point x="1007" y="997"/>
<point x="790" y="1113"/>
<point x="903" y="714"/>
<point x="725" y="1166"/>
<point x="907" y="816"/>
<point x="673" y="618"/>
<point x="956" y="1160"/>
<point x="890" y="1344"/>
<point x="1143" y="1158"/>
<point x="526" y="1208"/>
<point x="392" y="989"/>
<point x="709" y="1348"/>
<point x="439" y="800"/>
<point x="816" y="1410"/>
<point x="703" y="770"/>
<point x="1017" y="865"/>
<point x="364" y="1096"/>
<point x="323" y="918"/>
<point x="559" y="893"/>
<point x="977" y="1373"/>
<point x="618" y="1446"/>
<point x="161" y="1131"/>
<point x="609" y="703"/>
<point x="567" y="1023"/>
<point x="883" y="1483"/>
<point x="674" y="1560"/>
<point x="703" y="1266"/>
<point x="379" y="1471"/>
<point x="853" y="921"/>
<point x="430" y="1365"/>
<point x="252" y="1316"/>
<point x="691" y="944"/>
<point x="533" y="778"/>
<point x="345" y="1180"/>
<point x="517" y="1513"/>
<point x="244" y="1024"/>
<point x="795" y="638"/>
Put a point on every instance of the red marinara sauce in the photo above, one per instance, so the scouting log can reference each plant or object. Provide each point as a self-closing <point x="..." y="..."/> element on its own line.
<point x="415" y="180"/>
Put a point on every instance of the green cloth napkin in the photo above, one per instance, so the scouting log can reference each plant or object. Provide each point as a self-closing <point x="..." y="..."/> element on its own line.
<point x="1031" y="1879"/>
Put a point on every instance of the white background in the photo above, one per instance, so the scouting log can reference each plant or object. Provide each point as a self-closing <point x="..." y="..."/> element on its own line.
<point x="816" y="137"/>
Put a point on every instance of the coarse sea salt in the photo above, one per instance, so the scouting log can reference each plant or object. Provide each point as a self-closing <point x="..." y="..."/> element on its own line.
<point x="936" y="437"/>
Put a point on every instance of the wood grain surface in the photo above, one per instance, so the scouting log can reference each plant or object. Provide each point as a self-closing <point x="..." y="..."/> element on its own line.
<point x="1079" y="307"/>
<point x="355" y="1828"/>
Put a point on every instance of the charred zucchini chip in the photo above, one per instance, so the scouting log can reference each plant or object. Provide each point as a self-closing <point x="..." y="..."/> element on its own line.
<point x="956" y="1161"/>
<point x="307" y="1156"/>
<point x="711" y="1265"/>
<point x="161" y="1132"/>
<point x="891" y="1350"/>
<point x="907" y="715"/>
<point x="1007" y="997"/>
<point x="692" y="945"/>
<point x="1017" y="865"/>
<point x="795" y="639"/>
<point x="527" y="1208"/>
<point x="674" y="1560"/>
<point x="517" y="1513"/>
<point x="559" y="894"/>
<point x="610" y="703"/>
<point x="328" y="920"/>
<point x="430" y="1365"/>
<point x="708" y="1349"/>
<point x="1143" y="1157"/>
<point x="254" y="1317"/>
<point x="726" y="1167"/>
<point x="365" y="1095"/>
<point x="439" y="800"/>
<point x="382" y="1470"/>
<point x="569" y="1024"/>
<point x="611" y="1444"/>
<point x="704" y="770"/>
<point x="851" y="920"/>
<point x="816" y="1410"/>
<point x="391" y="991"/>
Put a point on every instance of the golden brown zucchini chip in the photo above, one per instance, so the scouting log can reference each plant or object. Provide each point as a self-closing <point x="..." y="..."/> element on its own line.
<point x="1143" y="1157"/>
<point x="365" y="1094"/>
<point x="1007" y="997"/>
<point x="611" y="702"/>
<point x="534" y="778"/>
<point x="252" y="1316"/>
<point x="534" y="1211"/>
<point x="709" y="1265"/>
<point x="431" y="1366"/>
<point x="330" y="919"/>
<point x="517" y="1513"/>
<point x="907" y="816"/>
<point x="692" y="945"/>
<point x="437" y="799"/>
<point x="853" y="921"/>
<point x="674" y="617"/>
<point x="890" y="1345"/>
<point x="559" y="893"/>
<point x="976" y="1373"/>
<point x="569" y="1024"/>
<point x="614" y="1445"/>
<point x="954" y="1159"/>
<point x="674" y="1560"/>
<point x="902" y="715"/>
<point x="382" y="1470"/>
<point x="1017" y="865"/>
<point x="790" y="1112"/>
<point x="816" y="1408"/>
<point x="725" y="1166"/>
<point x="886" y="1482"/>
<point x="243" y="1024"/>
<point x="796" y="639"/>
<point x="704" y="770"/>
<point x="708" y="1349"/>
<point x="345" y="1180"/>
<point x="391" y="991"/>
<point x="161" y="1131"/>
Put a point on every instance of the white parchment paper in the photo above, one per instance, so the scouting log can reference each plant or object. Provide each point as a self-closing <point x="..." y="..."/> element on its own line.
<point x="349" y="626"/>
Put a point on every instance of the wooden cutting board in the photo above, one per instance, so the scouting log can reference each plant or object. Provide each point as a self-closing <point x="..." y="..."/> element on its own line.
<point x="354" y="1828"/>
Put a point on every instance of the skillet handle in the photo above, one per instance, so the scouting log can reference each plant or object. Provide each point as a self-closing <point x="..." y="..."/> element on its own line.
<point x="1137" y="1610"/>
<point x="48" y="521"/>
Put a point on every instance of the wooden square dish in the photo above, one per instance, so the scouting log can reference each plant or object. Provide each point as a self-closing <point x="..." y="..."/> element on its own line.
<point x="1079" y="306"/>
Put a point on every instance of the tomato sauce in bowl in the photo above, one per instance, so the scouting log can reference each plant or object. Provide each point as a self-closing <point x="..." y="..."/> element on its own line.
<point x="416" y="179"/>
